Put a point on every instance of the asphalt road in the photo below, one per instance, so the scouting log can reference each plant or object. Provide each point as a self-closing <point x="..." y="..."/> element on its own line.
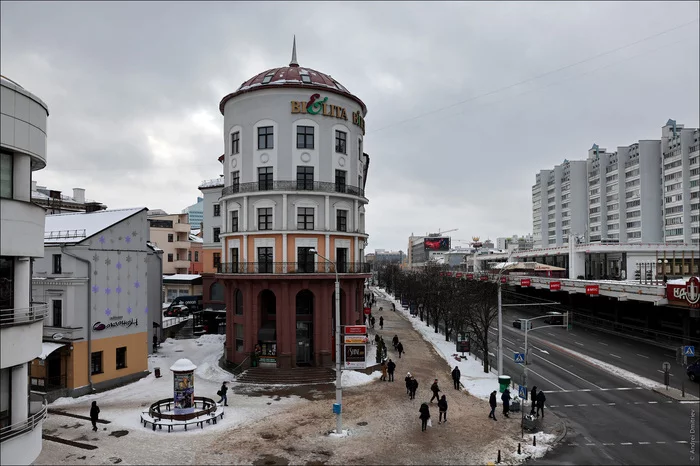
<point x="609" y="419"/>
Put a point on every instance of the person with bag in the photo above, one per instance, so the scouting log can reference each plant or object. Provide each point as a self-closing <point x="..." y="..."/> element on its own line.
<point x="94" y="415"/>
<point x="493" y="404"/>
<point x="223" y="394"/>
<point x="424" y="416"/>
<point x="456" y="375"/>
<point x="442" y="406"/>
<point x="541" y="398"/>
<point x="505" y="398"/>
<point x="435" y="389"/>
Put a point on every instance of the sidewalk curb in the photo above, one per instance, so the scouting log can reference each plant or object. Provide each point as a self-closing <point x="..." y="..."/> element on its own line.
<point x="562" y="435"/>
<point x="669" y="395"/>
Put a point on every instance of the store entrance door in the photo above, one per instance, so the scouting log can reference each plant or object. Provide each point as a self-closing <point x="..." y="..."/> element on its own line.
<point x="304" y="343"/>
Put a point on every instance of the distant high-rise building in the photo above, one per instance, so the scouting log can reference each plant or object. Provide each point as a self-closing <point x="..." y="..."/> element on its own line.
<point x="195" y="214"/>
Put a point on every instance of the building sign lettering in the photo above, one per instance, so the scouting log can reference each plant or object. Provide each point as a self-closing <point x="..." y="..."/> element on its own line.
<point x="318" y="106"/>
<point x="688" y="294"/>
<point x="120" y="323"/>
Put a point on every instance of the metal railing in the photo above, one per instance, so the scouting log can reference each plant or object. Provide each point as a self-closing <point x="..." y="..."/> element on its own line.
<point x="280" y="185"/>
<point x="292" y="267"/>
<point x="25" y="315"/>
<point x="37" y="413"/>
<point x="65" y="234"/>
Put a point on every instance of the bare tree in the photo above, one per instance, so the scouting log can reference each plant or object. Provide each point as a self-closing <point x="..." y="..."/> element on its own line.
<point x="483" y="310"/>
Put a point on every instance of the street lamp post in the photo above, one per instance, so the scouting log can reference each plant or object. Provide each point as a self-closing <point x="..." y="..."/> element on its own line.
<point x="500" y="316"/>
<point x="338" y="369"/>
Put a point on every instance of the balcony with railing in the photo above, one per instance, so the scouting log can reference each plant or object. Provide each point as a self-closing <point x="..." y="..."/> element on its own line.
<point x="37" y="413"/>
<point x="22" y="316"/>
<point x="293" y="268"/>
<point x="280" y="185"/>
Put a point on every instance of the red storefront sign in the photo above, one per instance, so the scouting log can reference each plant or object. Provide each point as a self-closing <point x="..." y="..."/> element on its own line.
<point x="524" y="282"/>
<point x="449" y="274"/>
<point x="368" y="310"/>
<point x="685" y="295"/>
<point x="355" y="329"/>
<point x="504" y="279"/>
<point x="470" y="276"/>
<point x="554" y="286"/>
<point x="484" y="278"/>
<point x="459" y="274"/>
<point x="593" y="290"/>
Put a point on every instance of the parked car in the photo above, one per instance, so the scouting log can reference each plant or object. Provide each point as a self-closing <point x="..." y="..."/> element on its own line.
<point x="554" y="318"/>
<point x="693" y="371"/>
<point x="177" y="311"/>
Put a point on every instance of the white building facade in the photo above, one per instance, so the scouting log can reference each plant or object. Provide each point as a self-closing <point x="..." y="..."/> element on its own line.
<point x="22" y="151"/>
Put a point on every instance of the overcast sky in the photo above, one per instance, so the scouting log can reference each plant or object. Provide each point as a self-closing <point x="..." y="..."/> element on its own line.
<point x="466" y="101"/>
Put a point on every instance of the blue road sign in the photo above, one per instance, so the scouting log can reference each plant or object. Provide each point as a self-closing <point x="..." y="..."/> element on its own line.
<point x="336" y="408"/>
<point x="519" y="357"/>
<point x="522" y="391"/>
<point x="689" y="351"/>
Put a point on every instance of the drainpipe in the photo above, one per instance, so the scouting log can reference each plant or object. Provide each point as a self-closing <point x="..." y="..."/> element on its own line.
<point x="89" y="313"/>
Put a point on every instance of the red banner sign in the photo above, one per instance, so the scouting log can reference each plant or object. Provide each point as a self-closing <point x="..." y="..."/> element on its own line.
<point x="484" y="278"/>
<point x="459" y="274"/>
<point x="504" y="279"/>
<point x="685" y="295"/>
<point x="470" y="276"/>
<point x="524" y="282"/>
<point x="554" y="286"/>
<point x="368" y="311"/>
<point x="592" y="290"/>
<point x="355" y="329"/>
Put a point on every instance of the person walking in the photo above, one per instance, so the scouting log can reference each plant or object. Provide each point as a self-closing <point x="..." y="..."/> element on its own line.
<point x="372" y="320"/>
<point x="223" y="394"/>
<point x="442" y="406"/>
<point x="435" y="389"/>
<point x="376" y="338"/>
<point x="533" y="399"/>
<point x="413" y="388"/>
<point x="391" y="367"/>
<point x="384" y="370"/>
<point x="541" y="398"/>
<point x="381" y="322"/>
<point x="424" y="416"/>
<point x="493" y="404"/>
<point x="395" y="341"/>
<point x="408" y="383"/>
<point x="456" y="374"/>
<point x="505" y="398"/>
<point x="399" y="348"/>
<point x="94" y="415"/>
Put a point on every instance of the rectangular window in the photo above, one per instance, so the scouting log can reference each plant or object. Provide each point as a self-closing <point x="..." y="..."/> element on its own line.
<point x="189" y="256"/>
<point x="57" y="263"/>
<point x="265" y="259"/>
<point x="170" y="238"/>
<point x="265" y="218"/>
<point x="96" y="363"/>
<point x="341" y="257"/>
<point x="196" y="256"/>
<point x="217" y="232"/>
<point x="234" y="260"/>
<point x="170" y="257"/>
<point x="6" y="175"/>
<point x="264" y="178"/>
<point x="121" y="357"/>
<point x="340" y="181"/>
<point x="305" y="178"/>
<point x="234" y="221"/>
<point x="235" y="181"/>
<point x="265" y="137"/>
<point x="359" y="183"/>
<point x="341" y="138"/>
<point x="305" y="137"/>
<point x="217" y="260"/>
<point x="7" y="279"/>
<point x="235" y="143"/>
<point x="359" y="148"/>
<point x="217" y="210"/>
<point x="341" y="220"/>
<point x="305" y="260"/>
<point x="239" y="337"/>
<point x="305" y="218"/>
<point x="57" y="308"/>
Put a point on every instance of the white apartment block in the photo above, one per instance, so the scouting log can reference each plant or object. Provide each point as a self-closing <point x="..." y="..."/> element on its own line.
<point x="643" y="193"/>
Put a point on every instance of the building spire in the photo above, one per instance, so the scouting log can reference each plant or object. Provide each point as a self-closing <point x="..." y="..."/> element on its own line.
<point x="294" y="53"/>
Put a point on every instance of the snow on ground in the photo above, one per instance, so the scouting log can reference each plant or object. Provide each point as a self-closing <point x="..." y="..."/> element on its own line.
<point x="354" y="378"/>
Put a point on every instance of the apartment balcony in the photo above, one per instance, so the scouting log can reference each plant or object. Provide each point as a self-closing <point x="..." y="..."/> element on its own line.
<point x="181" y="244"/>
<point x="181" y="227"/>
<point x="21" y="442"/>
<point x="20" y="334"/>
<point x="180" y="264"/>
<point x="279" y="185"/>
<point x="277" y="268"/>
<point x="23" y="316"/>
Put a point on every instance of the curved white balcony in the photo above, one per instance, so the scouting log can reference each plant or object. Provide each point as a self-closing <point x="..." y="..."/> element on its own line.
<point x="21" y="331"/>
<point x="22" y="229"/>
<point x="20" y="443"/>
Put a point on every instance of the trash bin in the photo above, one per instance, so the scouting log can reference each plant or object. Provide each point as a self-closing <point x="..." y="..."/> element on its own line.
<point x="515" y="406"/>
<point x="529" y="422"/>
<point x="503" y="382"/>
<point x="157" y="371"/>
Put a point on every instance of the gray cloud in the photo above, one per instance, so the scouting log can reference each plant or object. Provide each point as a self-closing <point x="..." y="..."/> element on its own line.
<point x="133" y="90"/>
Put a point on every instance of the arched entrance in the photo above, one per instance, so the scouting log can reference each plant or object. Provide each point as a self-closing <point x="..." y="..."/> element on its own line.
<point x="304" y="322"/>
<point x="267" y="333"/>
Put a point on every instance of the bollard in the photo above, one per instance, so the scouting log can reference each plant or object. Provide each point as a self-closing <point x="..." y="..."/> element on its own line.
<point x="534" y="440"/>
<point x="518" y="448"/>
<point x="499" y="457"/>
<point x="683" y="389"/>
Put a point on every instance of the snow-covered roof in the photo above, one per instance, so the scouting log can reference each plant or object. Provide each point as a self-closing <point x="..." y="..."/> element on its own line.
<point x="184" y="277"/>
<point x="215" y="183"/>
<point x="196" y="231"/>
<point x="183" y="365"/>
<point x="49" y="347"/>
<point x="196" y="239"/>
<point x="77" y="226"/>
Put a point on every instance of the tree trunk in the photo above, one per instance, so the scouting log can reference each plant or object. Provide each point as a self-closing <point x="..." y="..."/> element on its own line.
<point x="486" y="356"/>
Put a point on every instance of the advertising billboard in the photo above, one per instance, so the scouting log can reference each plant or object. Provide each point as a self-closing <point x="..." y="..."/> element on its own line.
<point x="436" y="244"/>
<point x="355" y="357"/>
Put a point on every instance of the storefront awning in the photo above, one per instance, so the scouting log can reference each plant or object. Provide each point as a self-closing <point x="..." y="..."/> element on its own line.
<point x="47" y="348"/>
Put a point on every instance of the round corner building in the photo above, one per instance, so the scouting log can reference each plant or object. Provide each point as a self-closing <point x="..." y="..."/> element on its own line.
<point x="293" y="215"/>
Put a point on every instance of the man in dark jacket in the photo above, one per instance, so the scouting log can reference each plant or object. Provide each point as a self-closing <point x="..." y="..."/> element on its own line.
<point x="435" y="389"/>
<point x="222" y="393"/>
<point x="505" y="398"/>
<point x="533" y="399"/>
<point x="493" y="404"/>
<point x="399" y="348"/>
<point x="456" y="374"/>
<point x="414" y="387"/>
<point x="395" y="341"/>
<point x="381" y="322"/>
<point x="424" y="416"/>
<point x="540" y="403"/>
<point x="94" y="415"/>
<point x="442" y="406"/>
<point x="391" y="367"/>
<point x="408" y="383"/>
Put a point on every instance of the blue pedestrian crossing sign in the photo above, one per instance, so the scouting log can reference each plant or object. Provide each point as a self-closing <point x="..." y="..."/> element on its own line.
<point x="519" y="357"/>
<point x="689" y="351"/>
<point x="522" y="391"/>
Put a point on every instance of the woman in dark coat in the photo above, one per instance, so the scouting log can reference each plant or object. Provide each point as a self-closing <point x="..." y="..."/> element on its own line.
<point x="399" y="348"/>
<point x="94" y="415"/>
<point x="395" y="341"/>
<point x="424" y="415"/>
<point x="506" y="402"/>
<point x="414" y="387"/>
<point x="408" y="383"/>
<point x="541" y="398"/>
<point x="493" y="404"/>
<point x="442" y="406"/>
